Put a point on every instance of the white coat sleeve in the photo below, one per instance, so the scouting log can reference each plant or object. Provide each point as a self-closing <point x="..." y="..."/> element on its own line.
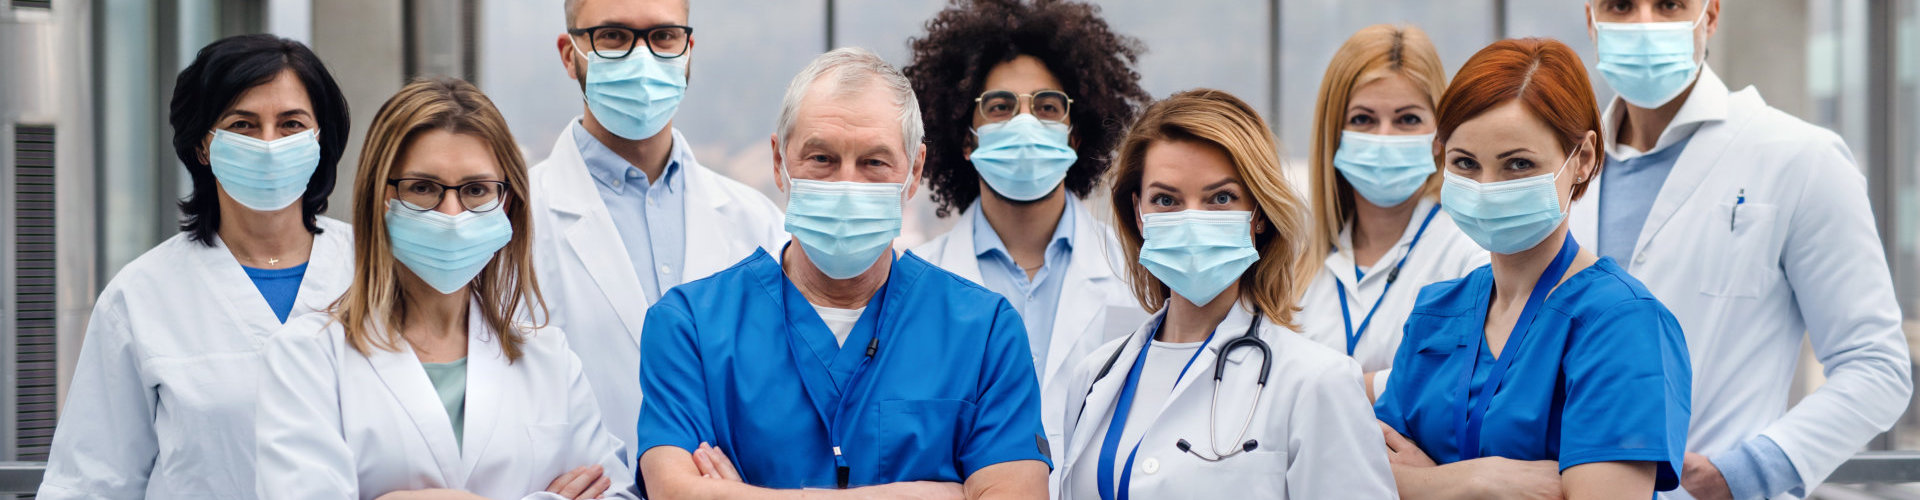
<point x="104" y="445"/>
<point x="591" y="443"/>
<point x="1834" y="263"/>
<point x="300" y="451"/>
<point x="1334" y="448"/>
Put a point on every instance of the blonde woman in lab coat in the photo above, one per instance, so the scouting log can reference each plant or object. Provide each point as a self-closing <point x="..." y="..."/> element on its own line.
<point x="1216" y="395"/>
<point x="418" y="383"/>
<point x="1378" y="234"/>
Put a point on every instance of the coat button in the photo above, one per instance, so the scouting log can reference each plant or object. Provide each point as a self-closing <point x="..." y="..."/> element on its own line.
<point x="1640" y="259"/>
<point x="1150" y="466"/>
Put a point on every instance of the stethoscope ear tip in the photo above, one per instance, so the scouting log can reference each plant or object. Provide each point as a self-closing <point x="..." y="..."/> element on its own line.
<point x="1251" y="444"/>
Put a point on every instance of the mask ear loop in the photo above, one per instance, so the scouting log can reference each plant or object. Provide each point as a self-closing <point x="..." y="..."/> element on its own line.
<point x="1563" y="169"/>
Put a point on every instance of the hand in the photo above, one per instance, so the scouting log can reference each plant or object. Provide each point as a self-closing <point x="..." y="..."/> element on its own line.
<point x="1504" y="478"/>
<point x="922" y="490"/>
<point x="1702" y="479"/>
<point x="714" y="465"/>
<point x="581" y="483"/>
<point x="1401" y="451"/>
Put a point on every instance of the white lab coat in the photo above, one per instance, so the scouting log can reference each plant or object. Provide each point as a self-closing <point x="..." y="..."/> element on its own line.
<point x="1095" y="304"/>
<point x="1443" y="253"/>
<point x="587" y="277"/>
<point x="161" y="403"/>
<point x="1317" y="435"/>
<point x="1800" y="255"/>
<point x="334" y="423"/>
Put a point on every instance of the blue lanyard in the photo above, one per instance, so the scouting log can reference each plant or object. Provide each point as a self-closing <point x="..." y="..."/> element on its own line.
<point x="1353" y="336"/>
<point x="842" y="472"/>
<point x="1123" y="409"/>
<point x="1467" y="428"/>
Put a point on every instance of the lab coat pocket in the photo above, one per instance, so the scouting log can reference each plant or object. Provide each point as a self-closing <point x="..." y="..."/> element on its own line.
<point x="546" y="453"/>
<point x="921" y="438"/>
<point x="1739" y="263"/>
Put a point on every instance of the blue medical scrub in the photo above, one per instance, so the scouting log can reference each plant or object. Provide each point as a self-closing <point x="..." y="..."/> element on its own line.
<point x="934" y="382"/>
<point x="1601" y="375"/>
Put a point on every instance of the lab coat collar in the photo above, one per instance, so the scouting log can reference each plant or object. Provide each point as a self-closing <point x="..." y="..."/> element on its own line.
<point x="581" y="198"/>
<point x="1707" y="103"/>
<point x="400" y="371"/>
<point x="1081" y="296"/>
<point x="1340" y="262"/>
<point x="589" y="231"/>
<point x="327" y="260"/>
<point x="1707" y="147"/>
<point x="1105" y="391"/>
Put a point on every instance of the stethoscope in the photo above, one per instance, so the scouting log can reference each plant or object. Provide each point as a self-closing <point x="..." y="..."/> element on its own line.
<point x="1250" y="339"/>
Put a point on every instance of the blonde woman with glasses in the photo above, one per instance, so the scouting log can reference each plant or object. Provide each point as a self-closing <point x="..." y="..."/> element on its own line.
<point x="419" y="383"/>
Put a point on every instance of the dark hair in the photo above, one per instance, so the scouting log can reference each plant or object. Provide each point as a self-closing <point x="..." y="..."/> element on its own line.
<point x="965" y="41"/>
<point x="219" y="74"/>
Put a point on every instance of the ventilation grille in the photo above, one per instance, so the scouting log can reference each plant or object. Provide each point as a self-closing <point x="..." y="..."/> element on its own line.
<point x="33" y="4"/>
<point x="34" y="357"/>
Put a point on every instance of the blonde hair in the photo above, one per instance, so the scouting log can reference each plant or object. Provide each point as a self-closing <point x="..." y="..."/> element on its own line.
<point x="1376" y="52"/>
<point x="1220" y="120"/>
<point x="503" y="286"/>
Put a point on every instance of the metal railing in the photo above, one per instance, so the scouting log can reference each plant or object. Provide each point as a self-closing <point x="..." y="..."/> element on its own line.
<point x="21" y="477"/>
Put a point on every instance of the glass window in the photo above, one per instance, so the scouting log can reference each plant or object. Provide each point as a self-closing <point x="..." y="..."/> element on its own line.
<point x="1564" y="21"/>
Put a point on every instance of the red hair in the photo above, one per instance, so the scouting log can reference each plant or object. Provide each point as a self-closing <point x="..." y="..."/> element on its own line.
<point x="1546" y="76"/>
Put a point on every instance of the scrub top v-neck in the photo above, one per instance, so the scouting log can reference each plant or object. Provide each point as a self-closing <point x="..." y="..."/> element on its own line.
<point x="1601" y="375"/>
<point x="934" y="381"/>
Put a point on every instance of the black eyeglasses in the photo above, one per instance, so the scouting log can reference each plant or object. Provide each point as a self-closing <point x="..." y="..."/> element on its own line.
<point x="615" y="42"/>
<point x="423" y="195"/>
<point x="1000" y="105"/>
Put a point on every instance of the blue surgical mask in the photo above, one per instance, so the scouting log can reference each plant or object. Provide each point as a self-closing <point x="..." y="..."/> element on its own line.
<point x="1023" y="158"/>
<point x="1385" y="169"/>
<point x="1505" y="217"/>
<point x="446" y="251"/>
<point x="844" y="226"/>
<point x="635" y="96"/>
<point x="1648" y="64"/>
<point x="262" y="175"/>
<point x="1197" y="253"/>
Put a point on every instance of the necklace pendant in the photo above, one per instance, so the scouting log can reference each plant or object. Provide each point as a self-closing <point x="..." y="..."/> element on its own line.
<point x="273" y="261"/>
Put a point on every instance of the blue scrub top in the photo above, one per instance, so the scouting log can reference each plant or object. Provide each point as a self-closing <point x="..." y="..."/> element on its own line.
<point x="1602" y="375"/>
<point x="950" y="388"/>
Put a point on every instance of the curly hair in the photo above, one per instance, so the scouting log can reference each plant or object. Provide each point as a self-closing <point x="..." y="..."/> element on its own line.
<point x="965" y="41"/>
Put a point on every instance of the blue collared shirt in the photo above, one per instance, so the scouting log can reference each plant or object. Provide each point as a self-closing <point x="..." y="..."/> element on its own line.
<point x="650" y="216"/>
<point x="1630" y="187"/>
<point x="1039" y="297"/>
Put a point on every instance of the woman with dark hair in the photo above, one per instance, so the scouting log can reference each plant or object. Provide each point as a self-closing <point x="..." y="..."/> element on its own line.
<point x="1551" y="372"/>
<point x="1024" y="103"/>
<point x="161" y="404"/>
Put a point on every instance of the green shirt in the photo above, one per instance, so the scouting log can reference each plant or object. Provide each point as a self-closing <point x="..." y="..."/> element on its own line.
<point x="450" y="380"/>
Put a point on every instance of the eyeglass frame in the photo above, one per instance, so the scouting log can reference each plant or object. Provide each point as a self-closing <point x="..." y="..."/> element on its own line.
<point x="639" y="36"/>
<point x="498" y="200"/>
<point x="1020" y="100"/>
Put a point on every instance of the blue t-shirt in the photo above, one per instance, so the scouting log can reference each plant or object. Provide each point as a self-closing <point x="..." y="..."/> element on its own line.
<point x="741" y="360"/>
<point x="1602" y="375"/>
<point x="279" y="286"/>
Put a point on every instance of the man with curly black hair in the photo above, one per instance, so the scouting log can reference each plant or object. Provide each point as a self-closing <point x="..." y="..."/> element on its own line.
<point x="1025" y="101"/>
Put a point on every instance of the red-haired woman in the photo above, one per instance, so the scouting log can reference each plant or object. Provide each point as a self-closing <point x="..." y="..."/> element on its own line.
<point x="1551" y="371"/>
